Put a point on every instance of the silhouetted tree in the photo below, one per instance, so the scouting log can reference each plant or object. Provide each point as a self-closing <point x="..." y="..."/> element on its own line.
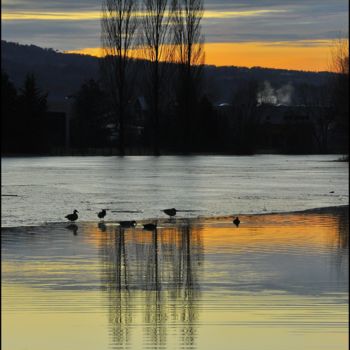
<point x="205" y="120"/>
<point x="244" y="129"/>
<point x="33" y="107"/>
<point x="318" y="103"/>
<point x="9" y="115"/>
<point x="155" y="43"/>
<point x="340" y="85"/>
<point x="119" y="23"/>
<point x="189" y="54"/>
<point x="88" y="124"/>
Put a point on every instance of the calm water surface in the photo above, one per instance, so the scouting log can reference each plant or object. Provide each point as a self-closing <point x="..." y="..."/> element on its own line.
<point x="45" y="189"/>
<point x="276" y="282"/>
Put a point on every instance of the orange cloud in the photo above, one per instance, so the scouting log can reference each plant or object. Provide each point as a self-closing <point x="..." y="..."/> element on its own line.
<point x="96" y="15"/>
<point x="297" y="55"/>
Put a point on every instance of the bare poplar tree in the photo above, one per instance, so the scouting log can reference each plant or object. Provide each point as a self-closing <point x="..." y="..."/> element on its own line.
<point x="118" y="25"/>
<point x="340" y="56"/>
<point x="339" y="86"/>
<point x="189" y="54"/>
<point x="156" y="49"/>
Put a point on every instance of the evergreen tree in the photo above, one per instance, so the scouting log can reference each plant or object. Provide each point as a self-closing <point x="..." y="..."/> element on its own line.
<point x="33" y="107"/>
<point x="9" y="116"/>
<point x="89" y="109"/>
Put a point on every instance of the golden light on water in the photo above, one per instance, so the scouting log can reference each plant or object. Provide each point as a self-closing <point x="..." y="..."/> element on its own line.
<point x="277" y="232"/>
<point x="277" y="280"/>
<point x="312" y="231"/>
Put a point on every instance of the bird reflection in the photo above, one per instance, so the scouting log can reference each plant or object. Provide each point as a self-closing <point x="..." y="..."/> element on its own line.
<point x="102" y="226"/>
<point x="156" y="271"/>
<point x="73" y="228"/>
<point x="150" y="226"/>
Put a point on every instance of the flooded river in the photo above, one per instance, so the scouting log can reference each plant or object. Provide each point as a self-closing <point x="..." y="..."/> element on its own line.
<point x="45" y="189"/>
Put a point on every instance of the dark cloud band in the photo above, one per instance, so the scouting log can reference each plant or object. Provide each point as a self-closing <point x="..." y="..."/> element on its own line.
<point x="273" y="20"/>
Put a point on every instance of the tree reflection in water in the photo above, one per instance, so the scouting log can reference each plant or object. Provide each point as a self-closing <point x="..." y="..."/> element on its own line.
<point x="341" y="245"/>
<point x="115" y="282"/>
<point x="152" y="278"/>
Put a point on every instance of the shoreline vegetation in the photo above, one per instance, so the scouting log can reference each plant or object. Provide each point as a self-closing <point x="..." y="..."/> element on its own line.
<point x="178" y="221"/>
<point x="344" y="158"/>
<point x="164" y="107"/>
<point x="114" y="153"/>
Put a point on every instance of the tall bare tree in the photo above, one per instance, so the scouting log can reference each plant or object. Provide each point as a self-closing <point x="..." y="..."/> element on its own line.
<point x="340" y="56"/>
<point x="189" y="54"/>
<point x="118" y="25"/>
<point x="156" y="49"/>
<point x="339" y="86"/>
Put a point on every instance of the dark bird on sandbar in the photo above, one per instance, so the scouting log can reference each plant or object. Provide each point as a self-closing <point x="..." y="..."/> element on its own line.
<point x="236" y="221"/>
<point x="127" y="224"/>
<point x="149" y="227"/>
<point x="72" y="217"/>
<point x="102" y="214"/>
<point x="170" y="212"/>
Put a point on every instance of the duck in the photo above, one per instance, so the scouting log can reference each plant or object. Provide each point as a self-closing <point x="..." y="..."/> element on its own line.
<point x="149" y="227"/>
<point x="170" y="212"/>
<point x="72" y="217"/>
<point x="102" y="214"/>
<point x="236" y="221"/>
<point x="126" y="224"/>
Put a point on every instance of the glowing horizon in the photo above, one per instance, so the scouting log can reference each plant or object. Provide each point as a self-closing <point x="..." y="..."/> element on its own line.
<point x="93" y="15"/>
<point x="305" y="55"/>
<point x="272" y="34"/>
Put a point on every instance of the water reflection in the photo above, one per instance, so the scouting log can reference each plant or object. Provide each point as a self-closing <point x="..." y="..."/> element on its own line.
<point x="343" y="232"/>
<point x="102" y="226"/>
<point x="115" y="280"/>
<point x="341" y="244"/>
<point x="280" y="280"/>
<point x="74" y="228"/>
<point x="159" y="268"/>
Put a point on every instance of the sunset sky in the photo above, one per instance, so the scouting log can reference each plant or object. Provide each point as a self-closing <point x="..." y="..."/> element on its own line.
<point x="271" y="33"/>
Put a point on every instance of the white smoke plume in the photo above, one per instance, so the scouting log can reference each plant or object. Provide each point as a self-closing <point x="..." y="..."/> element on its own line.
<point x="285" y="94"/>
<point x="281" y="96"/>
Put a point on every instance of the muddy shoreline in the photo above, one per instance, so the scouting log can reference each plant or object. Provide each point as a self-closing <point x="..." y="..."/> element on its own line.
<point x="178" y="221"/>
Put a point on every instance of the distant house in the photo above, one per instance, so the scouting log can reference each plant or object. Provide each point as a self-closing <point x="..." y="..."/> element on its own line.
<point x="135" y="119"/>
<point x="140" y="110"/>
<point x="223" y="108"/>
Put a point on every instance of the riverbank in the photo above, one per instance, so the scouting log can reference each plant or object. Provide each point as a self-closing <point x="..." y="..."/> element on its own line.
<point x="178" y="222"/>
<point x="113" y="152"/>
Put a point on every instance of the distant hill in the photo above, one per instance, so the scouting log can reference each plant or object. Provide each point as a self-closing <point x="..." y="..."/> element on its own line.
<point x="58" y="73"/>
<point x="224" y="80"/>
<point x="61" y="74"/>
